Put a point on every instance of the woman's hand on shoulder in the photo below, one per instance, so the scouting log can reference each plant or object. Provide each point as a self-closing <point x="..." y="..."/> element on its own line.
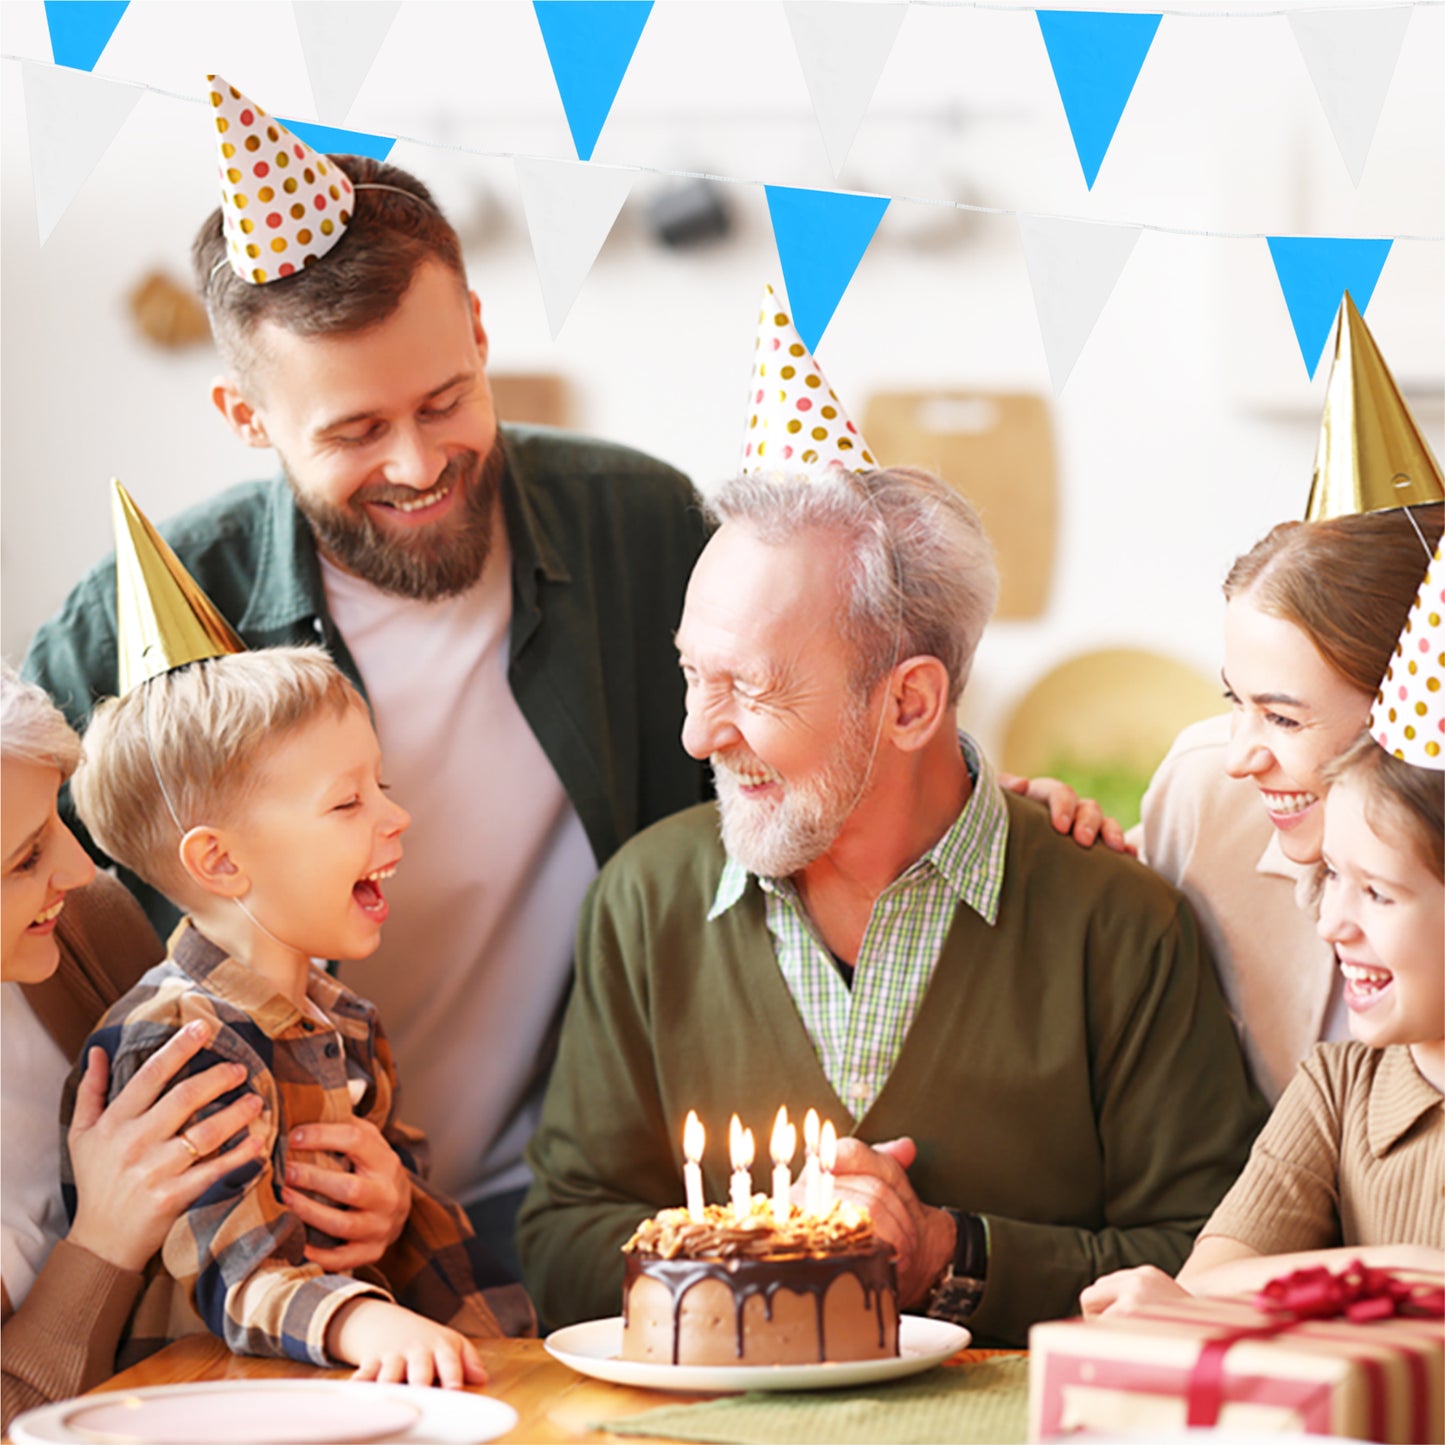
<point x="1079" y="818"/>
<point x="138" y="1163"/>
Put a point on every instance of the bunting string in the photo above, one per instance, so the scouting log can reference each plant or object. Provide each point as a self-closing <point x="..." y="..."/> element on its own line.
<point x="1074" y="262"/>
<point x="1175" y="12"/>
<point x="1433" y="238"/>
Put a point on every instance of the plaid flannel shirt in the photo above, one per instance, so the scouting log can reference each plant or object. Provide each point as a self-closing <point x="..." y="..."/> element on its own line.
<point x="234" y="1262"/>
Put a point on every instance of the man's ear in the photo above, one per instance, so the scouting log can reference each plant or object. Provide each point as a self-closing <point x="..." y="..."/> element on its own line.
<point x="918" y="701"/>
<point x="206" y="857"/>
<point x="241" y="416"/>
<point x="478" y="330"/>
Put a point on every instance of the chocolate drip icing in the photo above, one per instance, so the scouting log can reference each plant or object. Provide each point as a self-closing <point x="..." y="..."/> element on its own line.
<point x="811" y="1274"/>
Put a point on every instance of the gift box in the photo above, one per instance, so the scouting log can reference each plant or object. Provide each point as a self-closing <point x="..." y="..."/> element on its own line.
<point x="1242" y="1364"/>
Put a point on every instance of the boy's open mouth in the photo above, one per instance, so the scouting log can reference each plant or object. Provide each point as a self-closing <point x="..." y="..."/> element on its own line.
<point x="367" y="892"/>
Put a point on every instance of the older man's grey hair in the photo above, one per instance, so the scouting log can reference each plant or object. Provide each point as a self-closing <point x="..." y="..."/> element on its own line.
<point x="920" y="578"/>
<point x="32" y="728"/>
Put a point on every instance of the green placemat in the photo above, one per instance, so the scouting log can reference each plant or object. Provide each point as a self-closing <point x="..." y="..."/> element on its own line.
<point x="978" y="1403"/>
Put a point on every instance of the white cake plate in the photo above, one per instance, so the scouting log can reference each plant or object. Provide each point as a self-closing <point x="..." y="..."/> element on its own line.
<point x="268" y="1412"/>
<point x="593" y="1349"/>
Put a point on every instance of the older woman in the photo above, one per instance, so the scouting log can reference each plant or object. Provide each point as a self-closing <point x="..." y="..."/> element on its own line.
<point x="70" y="946"/>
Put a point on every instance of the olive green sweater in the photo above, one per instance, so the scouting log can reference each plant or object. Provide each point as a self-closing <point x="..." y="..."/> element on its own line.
<point x="1071" y="1075"/>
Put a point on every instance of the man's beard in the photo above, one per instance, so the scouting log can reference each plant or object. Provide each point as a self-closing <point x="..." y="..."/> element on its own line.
<point x="426" y="564"/>
<point x="775" y="839"/>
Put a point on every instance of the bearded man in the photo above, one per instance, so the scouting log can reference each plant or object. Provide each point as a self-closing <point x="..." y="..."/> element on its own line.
<point x="505" y="598"/>
<point x="1023" y="1040"/>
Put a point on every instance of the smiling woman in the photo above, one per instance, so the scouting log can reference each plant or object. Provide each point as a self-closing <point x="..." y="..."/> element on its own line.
<point x="42" y="860"/>
<point x="69" y="948"/>
<point x="1293" y="714"/>
<point x="1314" y="611"/>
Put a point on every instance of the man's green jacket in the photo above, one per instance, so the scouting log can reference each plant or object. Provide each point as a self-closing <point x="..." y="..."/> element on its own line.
<point x="603" y="540"/>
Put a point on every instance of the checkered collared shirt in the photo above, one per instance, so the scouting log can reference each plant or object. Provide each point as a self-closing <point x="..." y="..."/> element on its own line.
<point x="859" y="1032"/>
<point x="234" y="1262"/>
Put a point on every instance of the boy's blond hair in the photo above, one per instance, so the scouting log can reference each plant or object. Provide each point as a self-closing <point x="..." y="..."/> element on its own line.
<point x="211" y="725"/>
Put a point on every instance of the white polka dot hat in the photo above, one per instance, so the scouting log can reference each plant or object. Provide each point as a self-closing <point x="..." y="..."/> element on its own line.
<point x="1408" y="718"/>
<point x="282" y="205"/>
<point x="795" y="421"/>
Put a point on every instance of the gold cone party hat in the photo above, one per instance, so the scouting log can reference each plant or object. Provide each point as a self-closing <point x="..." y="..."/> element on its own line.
<point x="1408" y="718"/>
<point x="162" y="619"/>
<point x="1371" y="455"/>
<point x="795" y="421"/>
<point x="282" y="205"/>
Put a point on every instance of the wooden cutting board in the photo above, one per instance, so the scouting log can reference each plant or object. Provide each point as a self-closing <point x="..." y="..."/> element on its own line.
<point x="997" y="448"/>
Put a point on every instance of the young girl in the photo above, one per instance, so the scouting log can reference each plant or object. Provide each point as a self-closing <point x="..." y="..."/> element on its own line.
<point x="1349" y="1164"/>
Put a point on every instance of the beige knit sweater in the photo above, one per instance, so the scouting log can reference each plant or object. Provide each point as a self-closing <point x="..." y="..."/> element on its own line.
<point x="62" y="1339"/>
<point x="1354" y="1154"/>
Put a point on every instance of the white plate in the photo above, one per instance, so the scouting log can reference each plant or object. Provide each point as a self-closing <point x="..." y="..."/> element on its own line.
<point x="267" y="1412"/>
<point x="593" y="1349"/>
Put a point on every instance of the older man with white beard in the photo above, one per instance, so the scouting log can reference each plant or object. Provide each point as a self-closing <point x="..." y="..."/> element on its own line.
<point x="1023" y="1040"/>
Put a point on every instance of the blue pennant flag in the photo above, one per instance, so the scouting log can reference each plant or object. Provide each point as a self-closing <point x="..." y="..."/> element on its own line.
<point x="331" y="140"/>
<point x="821" y="237"/>
<point x="1096" y="58"/>
<point x="80" y="29"/>
<point x="1314" y="274"/>
<point x="590" y="45"/>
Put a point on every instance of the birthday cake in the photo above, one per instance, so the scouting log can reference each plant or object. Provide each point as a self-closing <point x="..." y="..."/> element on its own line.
<point x="758" y="1291"/>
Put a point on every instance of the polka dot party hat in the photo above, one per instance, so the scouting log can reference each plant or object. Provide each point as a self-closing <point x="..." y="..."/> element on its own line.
<point x="795" y="421"/>
<point x="1408" y="718"/>
<point x="282" y="205"/>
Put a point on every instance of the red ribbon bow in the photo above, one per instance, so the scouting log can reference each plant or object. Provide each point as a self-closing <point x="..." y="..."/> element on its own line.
<point x="1358" y="1294"/>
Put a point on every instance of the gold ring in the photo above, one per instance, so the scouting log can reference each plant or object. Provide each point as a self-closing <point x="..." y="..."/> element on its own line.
<point x="186" y="1140"/>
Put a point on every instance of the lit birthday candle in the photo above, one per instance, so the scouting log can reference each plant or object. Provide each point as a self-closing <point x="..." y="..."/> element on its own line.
<point x="827" y="1160"/>
<point x="694" y="1140"/>
<point x="782" y="1147"/>
<point x="740" y="1148"/>
<point x="811" y="1178"/>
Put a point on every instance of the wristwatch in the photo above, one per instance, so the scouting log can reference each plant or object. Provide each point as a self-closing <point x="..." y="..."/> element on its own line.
<point x="959" y="1288"/>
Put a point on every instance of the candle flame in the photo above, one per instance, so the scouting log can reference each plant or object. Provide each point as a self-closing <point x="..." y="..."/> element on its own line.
<point x="828" y="1147"/>
<point x="784" y="1142"/>
<point x="810" y="1131"/>
<point x="694" y="1138"/>
<point x="740" y="1145"/>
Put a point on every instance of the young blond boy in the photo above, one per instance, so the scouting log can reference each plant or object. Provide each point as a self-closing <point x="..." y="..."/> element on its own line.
<point x="248" y="789"/>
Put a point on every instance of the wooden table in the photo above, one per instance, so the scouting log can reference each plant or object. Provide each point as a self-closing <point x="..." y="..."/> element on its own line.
<point x="552" y="1402"/>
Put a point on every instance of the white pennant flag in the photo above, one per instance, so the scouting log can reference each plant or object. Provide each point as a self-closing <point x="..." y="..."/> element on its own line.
<point x="72" y="117"/>
<point x="1073" y="268"/>
<point x="340" y="39"/>
<point x="842" y="46"/>
<point x="1351" y="56"/>
<point x="570" y="207"/>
